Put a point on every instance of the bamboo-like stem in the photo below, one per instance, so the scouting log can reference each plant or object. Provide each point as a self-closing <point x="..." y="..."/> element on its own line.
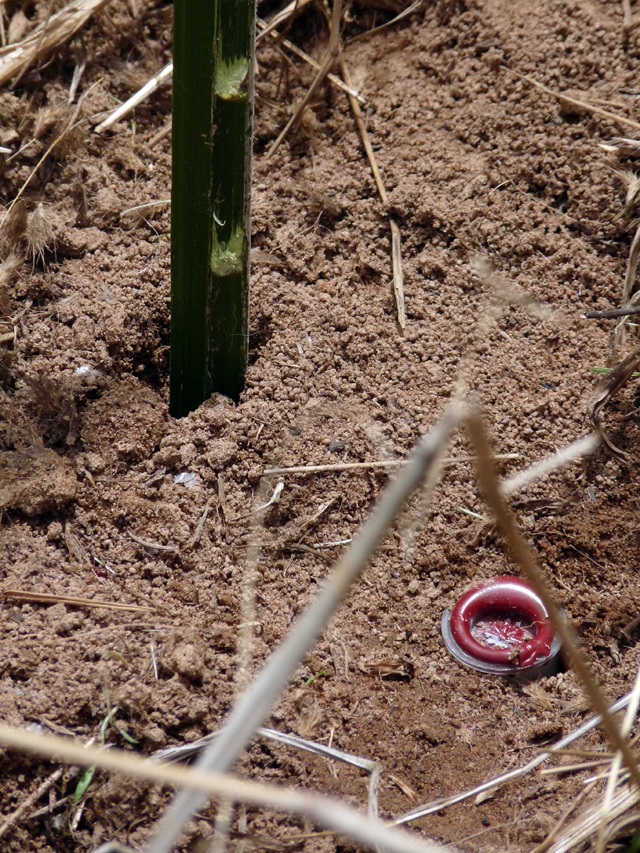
<point x="212" y="121"/>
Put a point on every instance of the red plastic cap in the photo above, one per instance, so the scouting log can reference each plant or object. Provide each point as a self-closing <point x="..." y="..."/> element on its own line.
<point x="504" y="623"/>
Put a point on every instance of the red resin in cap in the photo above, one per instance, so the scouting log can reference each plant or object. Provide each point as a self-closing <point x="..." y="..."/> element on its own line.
<point x="503" y="622"/>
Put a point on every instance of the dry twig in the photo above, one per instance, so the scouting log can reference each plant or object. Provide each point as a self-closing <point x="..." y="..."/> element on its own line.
<point x="384" y="463"/>
<point x="49" y="598"/>
<point x="396" y="255"/>
<point x="333" y="78"/>
<point x="612" y="313"/>
<point x="137" y="98"/>
<point x="577" y="102"/>
<point x="30" y="801"/>
<point x="334" y="49"/>
<point x="437" y="805"/>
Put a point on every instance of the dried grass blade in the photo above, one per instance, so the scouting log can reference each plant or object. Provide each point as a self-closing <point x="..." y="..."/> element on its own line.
<point x="137" y="98"/>
<point x="524" y="557"/>
<point x="334" y="49"/>
<point x="585" y="827"/>
<point x="327" y="812"/>
<point x="577" y="102"/>
<point x="396" y="253"/>
<point x="340" y="84"/>
<point x="564" y="817"/>
<point x="581" y="447"/>
<point x="257" y="700"/>
<point x="608" y="386"/>
<point x="176" y="753"/>
<point x="382" y="463"/>
<point x="437" y="805"/>
<point x="398" y="276"/>
<point x="59" y="28"/>
<point x="413" y="7"/>
<point x="47" y="598"/>
<point x="612" y="782"/>
<point x="624" y="826"/>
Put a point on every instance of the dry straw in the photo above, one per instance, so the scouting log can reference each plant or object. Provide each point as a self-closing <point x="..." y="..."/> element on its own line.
<point x="256" y="702"/>
<point x="325" y="811"/>
<point x="15" y="59"/>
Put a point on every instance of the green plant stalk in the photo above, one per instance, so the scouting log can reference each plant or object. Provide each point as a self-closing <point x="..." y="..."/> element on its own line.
<point x="211" y="188"/>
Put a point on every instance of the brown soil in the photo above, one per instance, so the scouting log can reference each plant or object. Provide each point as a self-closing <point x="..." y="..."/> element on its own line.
<point x="477" y="161"/>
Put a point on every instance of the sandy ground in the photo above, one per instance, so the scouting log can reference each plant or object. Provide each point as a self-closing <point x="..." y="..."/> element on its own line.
<point x="478" y="162"/>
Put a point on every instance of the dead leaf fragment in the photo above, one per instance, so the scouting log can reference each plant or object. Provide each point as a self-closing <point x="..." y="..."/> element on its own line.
<point x="393" y="670"/>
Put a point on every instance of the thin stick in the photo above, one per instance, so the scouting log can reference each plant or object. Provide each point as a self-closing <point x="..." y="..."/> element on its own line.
<point x="611" y="313"/>
<point x="161" y="202"/>
<point x="396" y="255"/>
<point x="575" y="450"/>
<point x="561" y="769"/>
<point x="160" y="135"/>
<point x="373" y="768"/>
<point x="385" y="463"/>
<point x="488" y="478"/>
<point x="256" y="702"/>
<point x="152" y="546"/>
<point x="443" y="803"/>
<point x="327" y="812"/>
<point x="137" y="98"/>
<point x="612" y="781"/>
<point x="333" y="51"/>
<point x="282" y="16"/>
<point x="337" y="82"/>
<point x="47" y="598"/>
<point x="197" y="536"/>
<point x="176" y="753"/>
<point x="576" y="102"/>
<point x="30" y="801"/>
